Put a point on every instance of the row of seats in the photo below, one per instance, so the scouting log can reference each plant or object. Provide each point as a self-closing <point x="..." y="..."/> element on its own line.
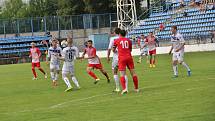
<point x="14" y="51"/>
<point x="22" y="39"/>
<point x="9" y="46"/>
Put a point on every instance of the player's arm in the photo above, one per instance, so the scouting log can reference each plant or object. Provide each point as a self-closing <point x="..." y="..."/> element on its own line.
<point x="109" y="50"/>
<point x="48" y="56"/>
<point x="77" y="54"/>
<point x="171" y="50"/>
<point x="62" y="57"/>
<point x="39" y="53"/>
<point x="85" y="51"/>
<point x="130" y="45"/>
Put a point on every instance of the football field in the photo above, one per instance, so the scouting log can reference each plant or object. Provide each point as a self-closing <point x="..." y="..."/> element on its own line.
<point x="161" y="98"/>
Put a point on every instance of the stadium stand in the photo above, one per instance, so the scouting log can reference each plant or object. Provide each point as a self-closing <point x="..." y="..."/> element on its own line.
<point x="18" y="47"/>
<point x="195" y="24"/>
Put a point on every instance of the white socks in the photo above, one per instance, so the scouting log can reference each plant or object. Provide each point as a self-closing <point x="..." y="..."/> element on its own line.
<point x="66" y="80"/>
<point x="186" y="66"/>
<point x="52" y="75"/>
<point x="175" y="69"/>
<point x="116" y="79"/>
<point x="75" y="81"/>
<point x="126" y="82"/>
<point x="56" y="76"/>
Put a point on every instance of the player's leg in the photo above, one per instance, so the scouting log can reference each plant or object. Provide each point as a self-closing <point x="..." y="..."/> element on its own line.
<point x="174" y="64"/>
<point x="75" y="81"/>
<point x="181" y="61"/>
<point x="130" y="65"/>
<point x="150" y="60"/>
<point x="105" y="74"/>
<point x="33" y="71"/>
<point x="141" y="56"/>
<point x="115" y="75"/>
<point x="123" y="82"/>
<point x="153" y="60"/>
<point x="90" y="72"/>
<point x="41" y="70"/>
<point x="57" y="72"/>
<point x="65" y="72"/>
<point x="52" y="73"/>
<point x="147" y="57"/>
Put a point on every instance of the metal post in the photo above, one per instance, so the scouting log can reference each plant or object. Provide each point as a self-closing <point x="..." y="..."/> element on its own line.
<point x="58" y="25"/>
<point x="110" y="22"/>
<point x="4" y="30"/>
<point x="44" y="20"/>
<point x="126" y="14"/>
<point x="18" y="30"/>
<point x="32" y="27"/>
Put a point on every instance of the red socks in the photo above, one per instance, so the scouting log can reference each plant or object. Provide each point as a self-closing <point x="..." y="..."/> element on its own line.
<point x="92" y="75"/>
<point x="122" y="80"/>
<point x="135" y="80"/>
<point x="34" y="72"/>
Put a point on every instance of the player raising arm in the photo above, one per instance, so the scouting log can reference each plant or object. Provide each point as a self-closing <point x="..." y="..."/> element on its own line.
<point x="69" y="54"/>
<point x="53" y="54"/>
<point x="124" y="46"/>
<point x="94" y="62"/>
<point x="178" y="43"/>
<point x="35" y="54"/>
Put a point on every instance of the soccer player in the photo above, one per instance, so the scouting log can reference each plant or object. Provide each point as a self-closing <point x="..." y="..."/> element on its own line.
<point x="94" y="62"/>
<point x="178" y="43"/>
<point x="35" y="54"/>
<point x="143" y="49"/>
<point x="151" y="43"/>
<point x="124" y="46"/>
<point x="115" y="60"/>
<point x="69" y="54"/>
<point x="53" y="54"/>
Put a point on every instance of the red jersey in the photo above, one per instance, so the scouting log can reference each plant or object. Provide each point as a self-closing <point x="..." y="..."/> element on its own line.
<point x="35" y="54"/>
<point x="151" y="43"/>
<point x="91" y="51"/>
<point x="124" y="46"/>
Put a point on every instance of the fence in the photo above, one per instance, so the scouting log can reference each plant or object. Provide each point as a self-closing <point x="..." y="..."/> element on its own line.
<point x="56" y="23"/>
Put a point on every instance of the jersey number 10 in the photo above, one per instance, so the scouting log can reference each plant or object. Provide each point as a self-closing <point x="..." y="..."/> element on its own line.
<point x="124" y="44"/>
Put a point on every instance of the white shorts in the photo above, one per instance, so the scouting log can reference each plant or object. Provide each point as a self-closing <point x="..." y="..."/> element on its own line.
<point x="68" y="69"/>
<point x="55" y="67"/>
<point x="143" y="52"/>
<point x="114" y="63"/>
<point x="178" y="56"/>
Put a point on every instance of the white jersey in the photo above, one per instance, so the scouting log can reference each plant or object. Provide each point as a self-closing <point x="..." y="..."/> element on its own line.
<point x="115" y="54"/>
<point x="177" y="40"/>
<point x="70" y="54"/>
<point x="53" y="53"/>
<point x="142" y="45"/>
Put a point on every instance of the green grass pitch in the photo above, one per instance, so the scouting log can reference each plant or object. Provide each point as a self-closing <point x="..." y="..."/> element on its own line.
<point x="161" y="98"/>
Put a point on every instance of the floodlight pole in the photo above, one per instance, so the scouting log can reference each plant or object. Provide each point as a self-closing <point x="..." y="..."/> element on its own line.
<point x="126" y="14"/>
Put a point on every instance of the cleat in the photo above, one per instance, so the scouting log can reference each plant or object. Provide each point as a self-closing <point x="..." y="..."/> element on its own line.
<point x="78" y="88"/>
<point x="175" y="76"/>
<point x="96" y="81"/>
<point x="68" y="89"/>
<point x="46" y="76"/>
<point x="125" y="91"/>
<point x="54" y="83"/>
<point x="34" y="78"/>
<point x="116" y="90"/>
<point x="153" y="66"/>
<point x="188" y="73"/>
<point x="137" y="90"/>
<point x="150" y="66"/>
<point x="108" y="80"/>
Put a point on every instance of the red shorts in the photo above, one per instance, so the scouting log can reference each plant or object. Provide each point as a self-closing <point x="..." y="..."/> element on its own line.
<point x="152" y="52"/>
<point x="35" y="65"/>
<point x="95" y="66"/>
<point x="127" y="62"/>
